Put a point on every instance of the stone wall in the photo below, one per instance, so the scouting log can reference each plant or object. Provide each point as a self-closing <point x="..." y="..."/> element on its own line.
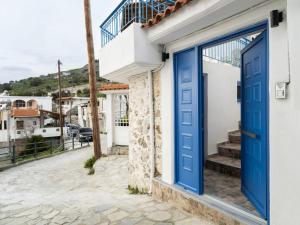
<point x="157" y="121"/>
<point x="194" y="205"/>
<point x="139" y="131"/>
<point x="139" y="148"/>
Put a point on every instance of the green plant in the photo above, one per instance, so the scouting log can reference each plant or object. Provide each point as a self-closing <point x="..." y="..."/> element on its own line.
<point x="136" y="191"/>
<point x="91" y="171"/>
<point x="90" y="163"/>
<point x="35" y="144"/>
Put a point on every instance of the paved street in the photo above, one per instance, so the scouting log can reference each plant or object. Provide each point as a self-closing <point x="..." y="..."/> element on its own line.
<point x="58" y="190"/>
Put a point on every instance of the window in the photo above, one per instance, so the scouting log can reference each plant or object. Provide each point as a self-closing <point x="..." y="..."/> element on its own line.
<point x="19" y="103"/>
<point x="34" y="123"/>
<point x="1" y="125"/>
<point x="20" y="125"/>
<point x="5" y="125"/>
<point x="29" y="104"/>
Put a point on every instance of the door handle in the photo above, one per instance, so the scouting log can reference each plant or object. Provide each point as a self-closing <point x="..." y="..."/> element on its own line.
<point x="249" y="134"/>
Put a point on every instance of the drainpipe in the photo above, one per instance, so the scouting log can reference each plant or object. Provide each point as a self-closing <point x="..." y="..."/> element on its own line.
<point x="152" y="144"/>
<point x="152" y="123"/>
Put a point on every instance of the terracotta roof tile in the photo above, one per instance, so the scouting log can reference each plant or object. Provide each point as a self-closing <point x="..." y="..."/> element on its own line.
<point x="109" y="87"/>
<point x="17" y="112"/>
<point x="160" y="16"/>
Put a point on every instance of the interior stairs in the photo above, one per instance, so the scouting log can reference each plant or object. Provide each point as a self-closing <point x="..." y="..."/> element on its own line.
<point x="228" y="158"/>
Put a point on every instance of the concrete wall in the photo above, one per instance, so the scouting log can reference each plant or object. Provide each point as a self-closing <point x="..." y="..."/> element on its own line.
<point x="223" y="110"/>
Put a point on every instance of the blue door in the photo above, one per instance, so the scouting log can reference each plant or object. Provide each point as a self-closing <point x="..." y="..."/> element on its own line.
<point x="188" y="153"/>
<point x="254" y="123"/>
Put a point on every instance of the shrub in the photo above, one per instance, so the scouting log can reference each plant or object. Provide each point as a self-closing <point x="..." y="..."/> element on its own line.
<point x="35" y="144"/>
<point x="90" y="163"/>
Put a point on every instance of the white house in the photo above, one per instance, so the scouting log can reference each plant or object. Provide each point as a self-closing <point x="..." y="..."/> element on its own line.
<point x="213" y="104"/>
<point x="24" y="116"/>
<point x="115" y="111"/>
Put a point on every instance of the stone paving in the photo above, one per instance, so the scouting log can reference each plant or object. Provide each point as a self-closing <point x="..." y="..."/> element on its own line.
<point x="58" y="190"/>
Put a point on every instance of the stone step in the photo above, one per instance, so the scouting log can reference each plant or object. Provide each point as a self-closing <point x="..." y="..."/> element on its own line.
<point x="223" y="164"/>
<point x="235" y="137"/>
<point x="232" y="150"/>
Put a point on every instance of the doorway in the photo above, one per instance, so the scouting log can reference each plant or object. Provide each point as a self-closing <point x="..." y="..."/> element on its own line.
<point x="221" y="114"/>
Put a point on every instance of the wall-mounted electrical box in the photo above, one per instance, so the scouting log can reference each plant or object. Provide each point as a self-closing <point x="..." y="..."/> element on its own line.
<point x="281" y="90"/>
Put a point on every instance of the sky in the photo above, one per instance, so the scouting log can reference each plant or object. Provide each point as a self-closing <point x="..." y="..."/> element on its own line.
<point x="34" y="34"/>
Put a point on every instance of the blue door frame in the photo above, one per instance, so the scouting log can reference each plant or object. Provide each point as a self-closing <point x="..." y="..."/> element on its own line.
<point x="238" y="33"/>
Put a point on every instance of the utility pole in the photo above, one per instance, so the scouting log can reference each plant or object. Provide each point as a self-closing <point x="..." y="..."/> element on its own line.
<point x="92" y="79"/>
<point x="60" y="108"/>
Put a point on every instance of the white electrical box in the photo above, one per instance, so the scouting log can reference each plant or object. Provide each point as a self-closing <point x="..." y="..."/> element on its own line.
<point x="281" y="90"/>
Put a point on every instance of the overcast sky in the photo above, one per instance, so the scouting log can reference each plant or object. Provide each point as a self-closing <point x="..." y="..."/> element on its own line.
<point x="35" y="33"/>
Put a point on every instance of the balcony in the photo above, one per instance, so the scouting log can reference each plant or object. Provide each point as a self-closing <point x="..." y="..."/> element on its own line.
<point x="128" y="12"/>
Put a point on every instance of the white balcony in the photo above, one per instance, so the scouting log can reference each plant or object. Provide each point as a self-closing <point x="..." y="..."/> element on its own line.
<point x="128" y="54"/>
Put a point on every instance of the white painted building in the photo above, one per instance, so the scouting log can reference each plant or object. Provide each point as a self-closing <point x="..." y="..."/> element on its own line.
<point x="69" y="103"/>
<point x="115" y="111"/>
<point x="178" y="113"/>
<point x="24" y="116"/>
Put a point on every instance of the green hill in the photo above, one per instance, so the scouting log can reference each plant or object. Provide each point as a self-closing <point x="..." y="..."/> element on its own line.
<point x="42" y="85"/>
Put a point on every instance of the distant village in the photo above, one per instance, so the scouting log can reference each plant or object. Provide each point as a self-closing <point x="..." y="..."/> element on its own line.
<point x="22" y="117"/>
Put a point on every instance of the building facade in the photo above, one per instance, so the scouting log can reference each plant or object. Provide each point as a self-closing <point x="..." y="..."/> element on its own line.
<point x="25" y="116"/>
<point x="213" y="104"/>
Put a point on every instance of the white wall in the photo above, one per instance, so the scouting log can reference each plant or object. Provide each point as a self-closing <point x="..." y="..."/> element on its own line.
<point x="50" y="132"/>
<point x="121" y="135"/>
<point x="3" y="136"/>
<point x="284" y="118"/>
<point x="223" y="110"/>
<point x="130" y="53"/>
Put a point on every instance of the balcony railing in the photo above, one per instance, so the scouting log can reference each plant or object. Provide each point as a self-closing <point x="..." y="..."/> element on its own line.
<point x="129" y="11"/>
<point x="229" y="52"/>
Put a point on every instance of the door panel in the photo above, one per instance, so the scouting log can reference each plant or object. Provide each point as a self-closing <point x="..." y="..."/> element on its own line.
<point x="254" y="123"/>
<point x="187" y="113"/>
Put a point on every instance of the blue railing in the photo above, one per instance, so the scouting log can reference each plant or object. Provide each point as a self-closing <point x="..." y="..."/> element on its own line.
<point x="229" y="52"/>
<point x="129" y="11"/>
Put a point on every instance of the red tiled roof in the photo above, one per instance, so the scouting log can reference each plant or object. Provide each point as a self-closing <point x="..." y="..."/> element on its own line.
<point x="160" y="16"/>
<point x="109" y="87"/>
<point x="25" y="113"/>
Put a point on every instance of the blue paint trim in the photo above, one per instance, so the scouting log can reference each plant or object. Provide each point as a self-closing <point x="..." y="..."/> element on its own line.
<point x="268" y="120"/>
<point x="240" y="32"/>
<point x="197" y="107"/>
<point x="201" y="102"/>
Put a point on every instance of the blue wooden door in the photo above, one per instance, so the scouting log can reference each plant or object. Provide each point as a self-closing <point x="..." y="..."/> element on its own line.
<point x="188" y="153"/>
<point x="254" y="123"/>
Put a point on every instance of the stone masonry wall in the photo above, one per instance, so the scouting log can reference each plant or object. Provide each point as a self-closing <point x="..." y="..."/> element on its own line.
<point x="157" y="121"/>
<point x="139" y="147"/>
<point x="139" y="131"/>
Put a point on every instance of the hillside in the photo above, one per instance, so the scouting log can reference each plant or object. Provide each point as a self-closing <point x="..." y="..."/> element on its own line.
<point x="42" y="85"/>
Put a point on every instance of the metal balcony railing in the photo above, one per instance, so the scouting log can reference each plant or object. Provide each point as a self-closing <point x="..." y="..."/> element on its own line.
<point x="129" y="11"/>
<point x="229" y="52"/>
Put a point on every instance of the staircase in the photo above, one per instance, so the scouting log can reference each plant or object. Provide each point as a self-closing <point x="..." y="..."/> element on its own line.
<point x="228" y="158"/>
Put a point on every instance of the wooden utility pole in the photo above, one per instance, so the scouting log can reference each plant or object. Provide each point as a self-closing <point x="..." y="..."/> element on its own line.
<point x="60" y="108"/>
<point x="92" y="79"/>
